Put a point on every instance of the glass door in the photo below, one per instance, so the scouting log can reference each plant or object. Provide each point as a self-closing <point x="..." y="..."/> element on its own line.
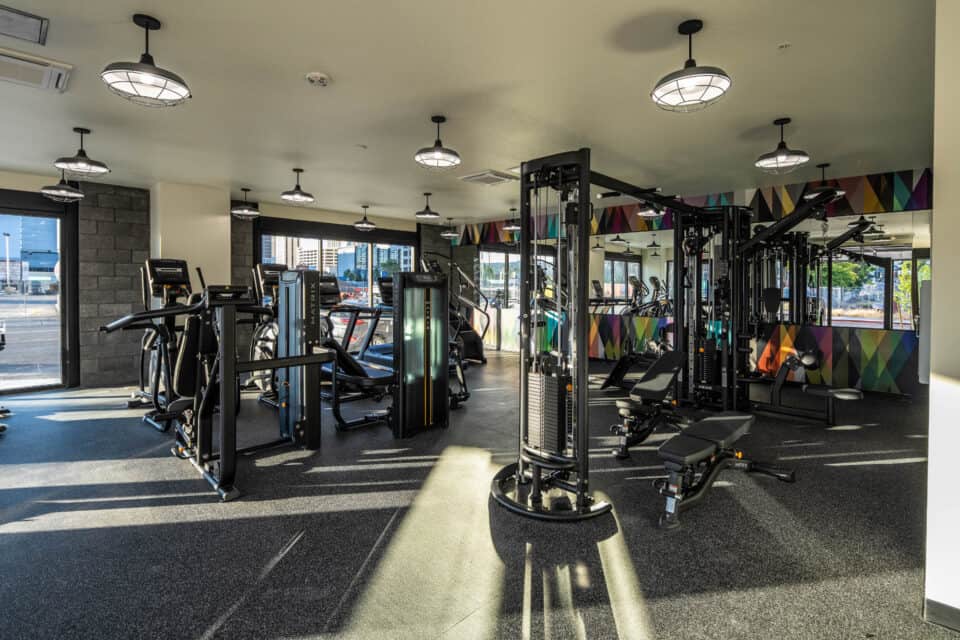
<point x="31" y="308"/>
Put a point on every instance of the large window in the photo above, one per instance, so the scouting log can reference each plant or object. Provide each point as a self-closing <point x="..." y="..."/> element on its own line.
<point x="857" y="295"/>
<point x="616" y="276"/>
<point x="33" y="271"/>
<point x="905" y="290"/>
<point x="358" y="266"/>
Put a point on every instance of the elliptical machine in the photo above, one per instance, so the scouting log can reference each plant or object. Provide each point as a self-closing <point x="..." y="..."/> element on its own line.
<point x="263" y="343"/>
<point x="169" y="280"/>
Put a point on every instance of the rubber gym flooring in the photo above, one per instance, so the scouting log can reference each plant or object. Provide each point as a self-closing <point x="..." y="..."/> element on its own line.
<point x="104" y="534"/>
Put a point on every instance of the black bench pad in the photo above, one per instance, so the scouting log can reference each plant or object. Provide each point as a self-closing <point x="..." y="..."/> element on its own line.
<point x="657" y="381"/>
<point x="704" y="438"/>
<point x="723" y="429"/>
<point x="374" y="375"/>
<point x="684" y="450"/>
<point x="824" y="391"/>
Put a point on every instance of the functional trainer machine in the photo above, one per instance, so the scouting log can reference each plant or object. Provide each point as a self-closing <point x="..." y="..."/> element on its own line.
<point x="550" y="479"/>
<point x="263" y="343"/>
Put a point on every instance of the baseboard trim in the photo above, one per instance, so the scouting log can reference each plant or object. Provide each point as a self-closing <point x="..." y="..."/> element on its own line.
<point x="941" y="614"/>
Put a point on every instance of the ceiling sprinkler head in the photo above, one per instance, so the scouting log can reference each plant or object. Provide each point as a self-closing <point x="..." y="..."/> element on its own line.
<point x="318" y="79"/>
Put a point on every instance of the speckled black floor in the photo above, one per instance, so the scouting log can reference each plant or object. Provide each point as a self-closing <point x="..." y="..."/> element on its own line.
<point x="103" y="534"/>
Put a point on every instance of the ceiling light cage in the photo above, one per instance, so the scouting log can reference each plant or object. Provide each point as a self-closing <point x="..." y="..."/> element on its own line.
<point x="143" y="82"/>
<point x="824" y="187"/>
<point x="80" y="164"/>
<point x="783" y="159"/>
<point x="449" y="232"/>
<point x="437" y="156"/>
<point x="245" y="210"/>
<point x="512" y="225"/>
<point x="427" y="213"/>
<point x="694" y="87"/>
<point x="297" y="195"/>
<point x="62" y="191"/>
<point x="364" y="224"/>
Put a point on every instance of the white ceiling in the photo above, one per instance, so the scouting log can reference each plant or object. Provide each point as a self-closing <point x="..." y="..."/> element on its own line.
<point x="516" y="79"/>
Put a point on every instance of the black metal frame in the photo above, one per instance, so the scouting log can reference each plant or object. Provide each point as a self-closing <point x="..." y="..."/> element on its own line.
<point x="25" y="203"/>
<point x="520" y="486"/>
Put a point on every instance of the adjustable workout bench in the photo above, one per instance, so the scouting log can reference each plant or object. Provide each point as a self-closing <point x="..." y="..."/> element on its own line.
<point x="695" y="457"/>
<point x="649" y="407"/>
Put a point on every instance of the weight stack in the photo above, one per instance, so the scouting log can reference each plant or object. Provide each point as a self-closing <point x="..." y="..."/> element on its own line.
<point x="548" y="412"/>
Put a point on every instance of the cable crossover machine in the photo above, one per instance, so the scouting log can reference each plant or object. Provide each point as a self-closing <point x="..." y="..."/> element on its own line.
<point x="550" y="479"/>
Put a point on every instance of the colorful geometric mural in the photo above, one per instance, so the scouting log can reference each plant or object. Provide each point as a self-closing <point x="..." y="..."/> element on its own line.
<point x="909" y="190"/>
<point x="868" y="359"/>
<point x="608" y="333"/>
<point x="890" y="192"/>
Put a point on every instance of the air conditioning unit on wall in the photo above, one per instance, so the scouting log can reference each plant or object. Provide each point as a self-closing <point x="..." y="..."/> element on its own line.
<point x="33" y="71"/>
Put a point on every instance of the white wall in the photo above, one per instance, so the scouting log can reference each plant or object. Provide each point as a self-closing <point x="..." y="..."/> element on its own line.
<point x="192" y="222"/>
<point x="943" y="499"/>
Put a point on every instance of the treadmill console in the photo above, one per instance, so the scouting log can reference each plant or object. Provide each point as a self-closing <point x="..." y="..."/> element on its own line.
<point x="166" y="278"/>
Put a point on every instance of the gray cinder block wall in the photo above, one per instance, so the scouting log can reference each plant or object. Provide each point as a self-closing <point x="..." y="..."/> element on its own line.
<point x="241" y="265"/>
<point x="114" y="239"/>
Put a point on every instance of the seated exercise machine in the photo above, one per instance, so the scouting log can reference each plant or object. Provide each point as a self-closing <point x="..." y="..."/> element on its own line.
<point x="383" y="353"/>
<point x="207" y="374"/>
<point x="415" y="381"/>
<point x="806" y="360"/>
<point x="650" y="405"/>
<point x="550" y="479"/>
<point x="169" y="280"/>
<point x="694" y="459"/>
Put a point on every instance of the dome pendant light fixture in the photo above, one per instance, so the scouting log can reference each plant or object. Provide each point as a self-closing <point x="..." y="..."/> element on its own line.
<point x="618" y="240"/>
<point x="653" y="243"/>
<point x="245" y="210"/>
<point x="437" y="156"/>
<point x="363" y="224"/>
<point x="449" y="232"/>
<point x="628" y="251"/>
<point x="692" y="88"/>
<point x="62" y="192"/>
<point x="813" y="193"/>
<point x="513" y="225"/>
<point x="597" y="246"/>
<point x="81" y="164"/>
<point x="144" y="82"/>
<point x="297" y="195"/>
<point x="427" y="213"/>
<point x="783" y="159"/>
<point x="648" y="210"/>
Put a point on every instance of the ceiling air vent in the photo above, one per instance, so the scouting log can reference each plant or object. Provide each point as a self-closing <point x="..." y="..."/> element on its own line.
<point x="489" y="177"/>
<point x="33" y="71"/>
<point x="23" y="25"/>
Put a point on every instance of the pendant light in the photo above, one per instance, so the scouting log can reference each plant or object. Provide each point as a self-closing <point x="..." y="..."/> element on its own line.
<point x="783" y="159"/>
<point x="692" y="88"/>
<point x="598" y="246"/>
<point x="62" y="192"/>
<point x="363" y="224"/>
<point x="449" y="232"/>
<point x="297" y="195"/>
<point x="513" y="225"/>
<point x="617" y="240"/>
<point x="437" y="156"/>
<point x="427" y="213"/>
<point x="245" y="210"/>
<point x="859" y="221"/>
<point x="648" y="210"/>
<point x="628" y="252"/>
<point x="814" y="192"/>
<point x="144" y="82"/>
<point x="81" y="164"/>
<point x="653" y="243"/>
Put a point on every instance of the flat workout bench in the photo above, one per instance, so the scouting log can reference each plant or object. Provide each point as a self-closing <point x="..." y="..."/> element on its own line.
<point x="694" y="458"/>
